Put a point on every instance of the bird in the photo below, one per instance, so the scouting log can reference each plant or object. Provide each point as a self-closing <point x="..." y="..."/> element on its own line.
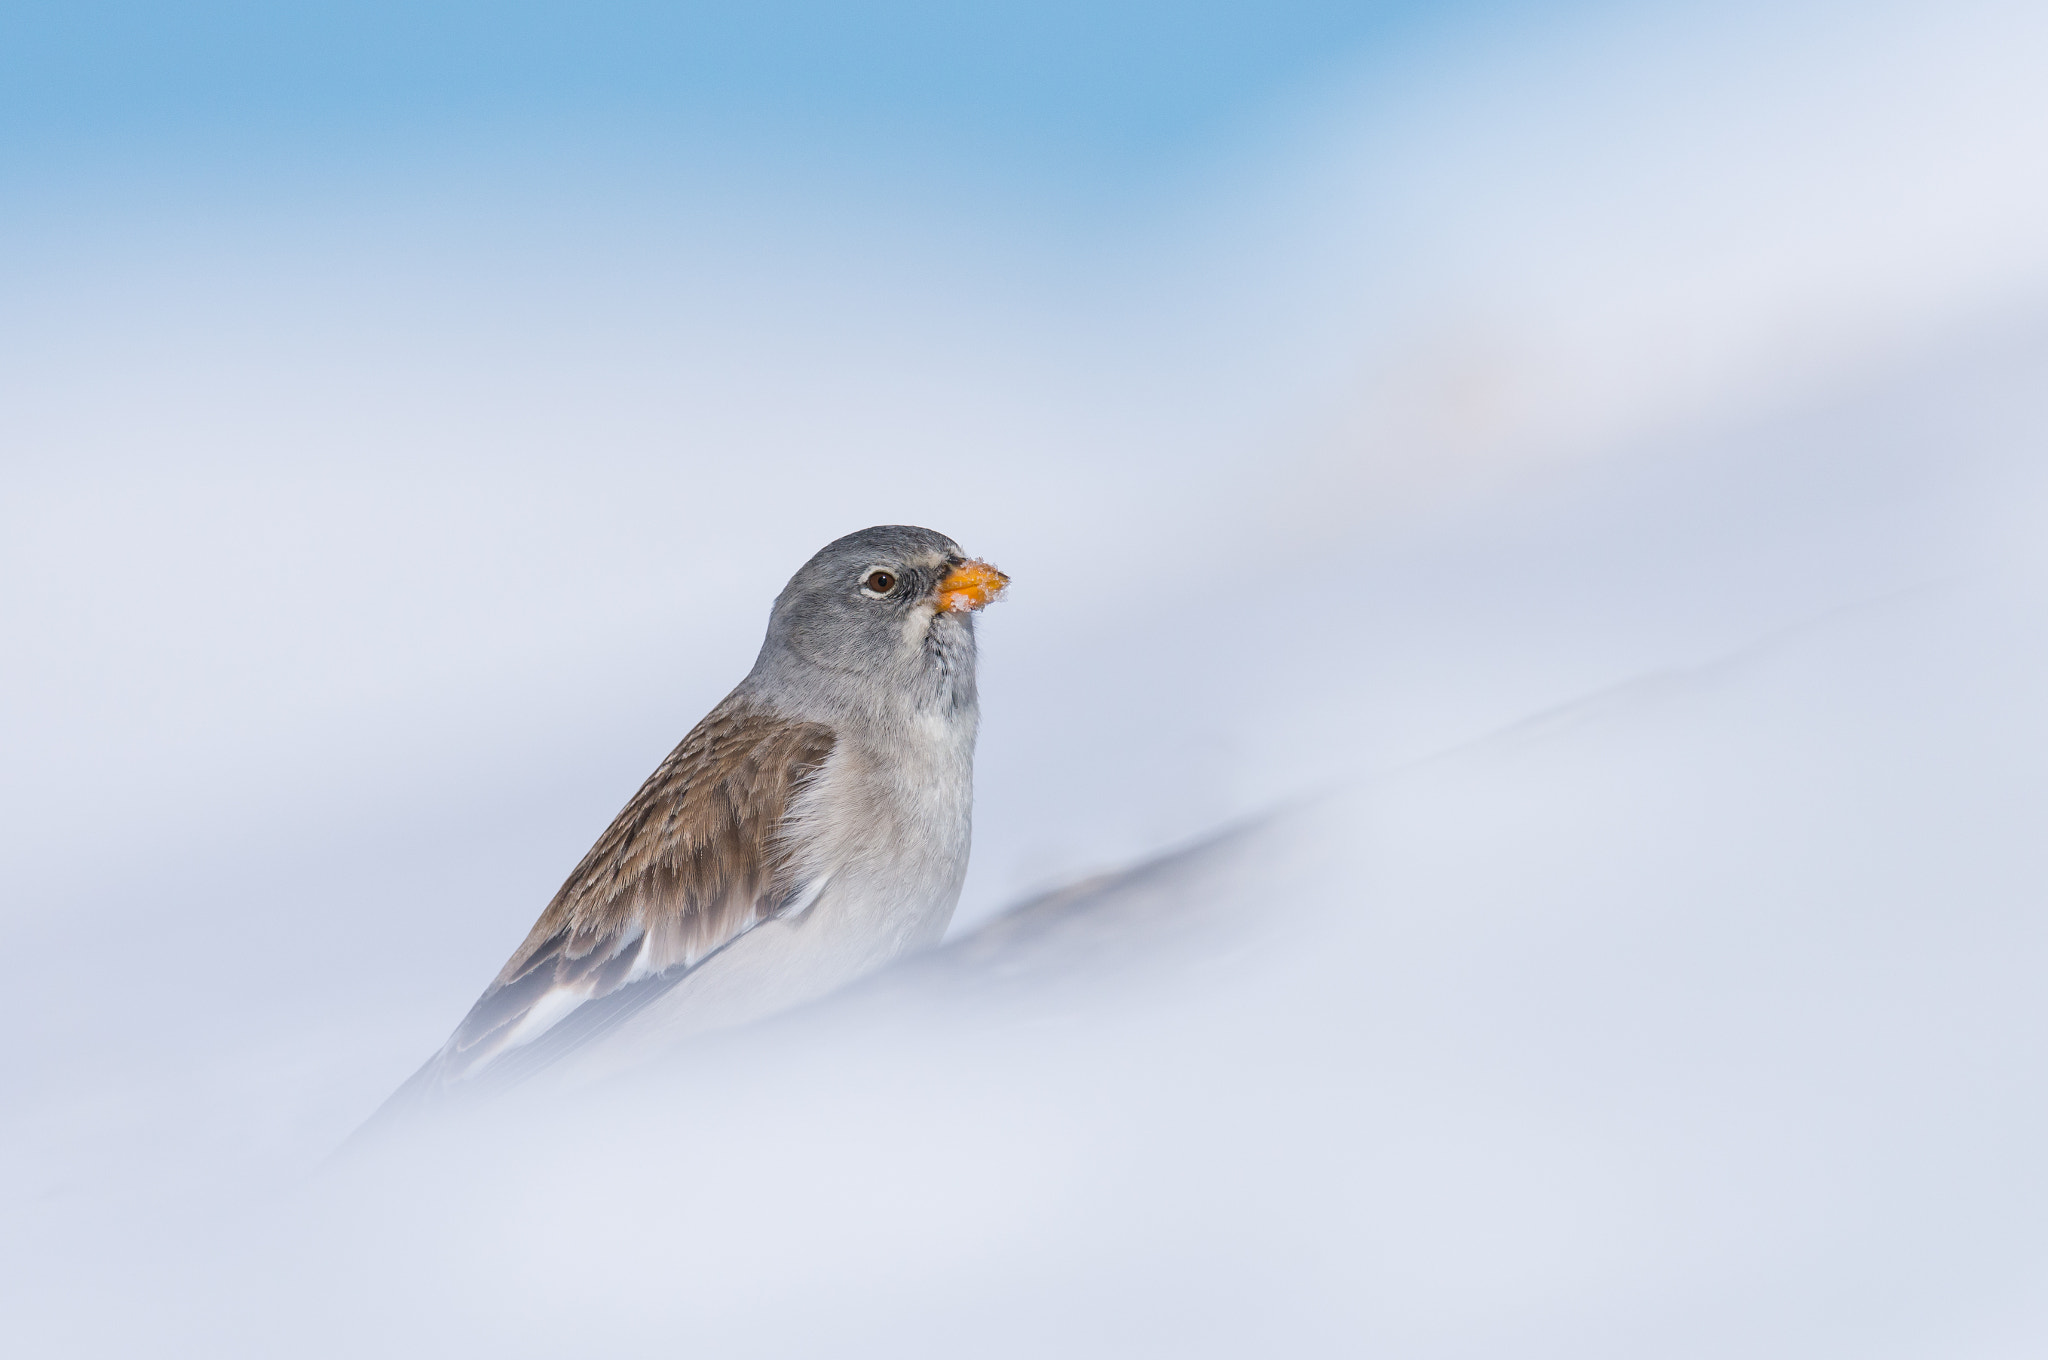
<point x="815" y="825"/>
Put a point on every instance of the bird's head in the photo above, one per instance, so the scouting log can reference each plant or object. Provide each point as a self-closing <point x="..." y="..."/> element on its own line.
<point x="883" y="616"/>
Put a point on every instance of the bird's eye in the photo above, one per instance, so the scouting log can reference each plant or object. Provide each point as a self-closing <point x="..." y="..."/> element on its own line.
<point x="879" y="582"/>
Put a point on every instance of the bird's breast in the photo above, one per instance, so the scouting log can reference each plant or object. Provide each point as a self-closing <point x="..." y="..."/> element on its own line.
<point x="889" y="821"/>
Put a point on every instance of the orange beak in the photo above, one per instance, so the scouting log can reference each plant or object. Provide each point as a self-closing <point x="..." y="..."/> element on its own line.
<point x="971" y="585"/>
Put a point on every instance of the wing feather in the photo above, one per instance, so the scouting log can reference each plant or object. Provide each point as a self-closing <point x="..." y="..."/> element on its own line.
<point x="695" y="860"/>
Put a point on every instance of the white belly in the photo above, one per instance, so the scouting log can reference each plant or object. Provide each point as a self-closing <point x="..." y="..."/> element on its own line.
<point x="773" y="967"/>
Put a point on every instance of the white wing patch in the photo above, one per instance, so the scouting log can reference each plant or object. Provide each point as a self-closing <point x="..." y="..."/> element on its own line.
<point x="558" y="1001"/>
<point x="806" y="899"/>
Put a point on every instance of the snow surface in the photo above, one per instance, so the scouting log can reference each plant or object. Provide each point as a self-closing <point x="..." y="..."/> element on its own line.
<point x="1554" y="867"/>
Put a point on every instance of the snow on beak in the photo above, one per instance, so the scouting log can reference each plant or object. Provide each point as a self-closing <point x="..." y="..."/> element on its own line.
<point x="971" y="585"/>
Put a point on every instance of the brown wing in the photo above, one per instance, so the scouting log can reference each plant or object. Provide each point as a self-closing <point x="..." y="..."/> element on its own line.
<point x="693" y="862"/>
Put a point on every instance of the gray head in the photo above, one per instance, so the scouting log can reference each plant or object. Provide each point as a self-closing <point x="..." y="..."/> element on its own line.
<point x="880" y="621"/>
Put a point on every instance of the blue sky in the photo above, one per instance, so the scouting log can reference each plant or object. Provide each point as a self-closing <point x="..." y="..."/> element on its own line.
<point x="1087" y="87"/>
